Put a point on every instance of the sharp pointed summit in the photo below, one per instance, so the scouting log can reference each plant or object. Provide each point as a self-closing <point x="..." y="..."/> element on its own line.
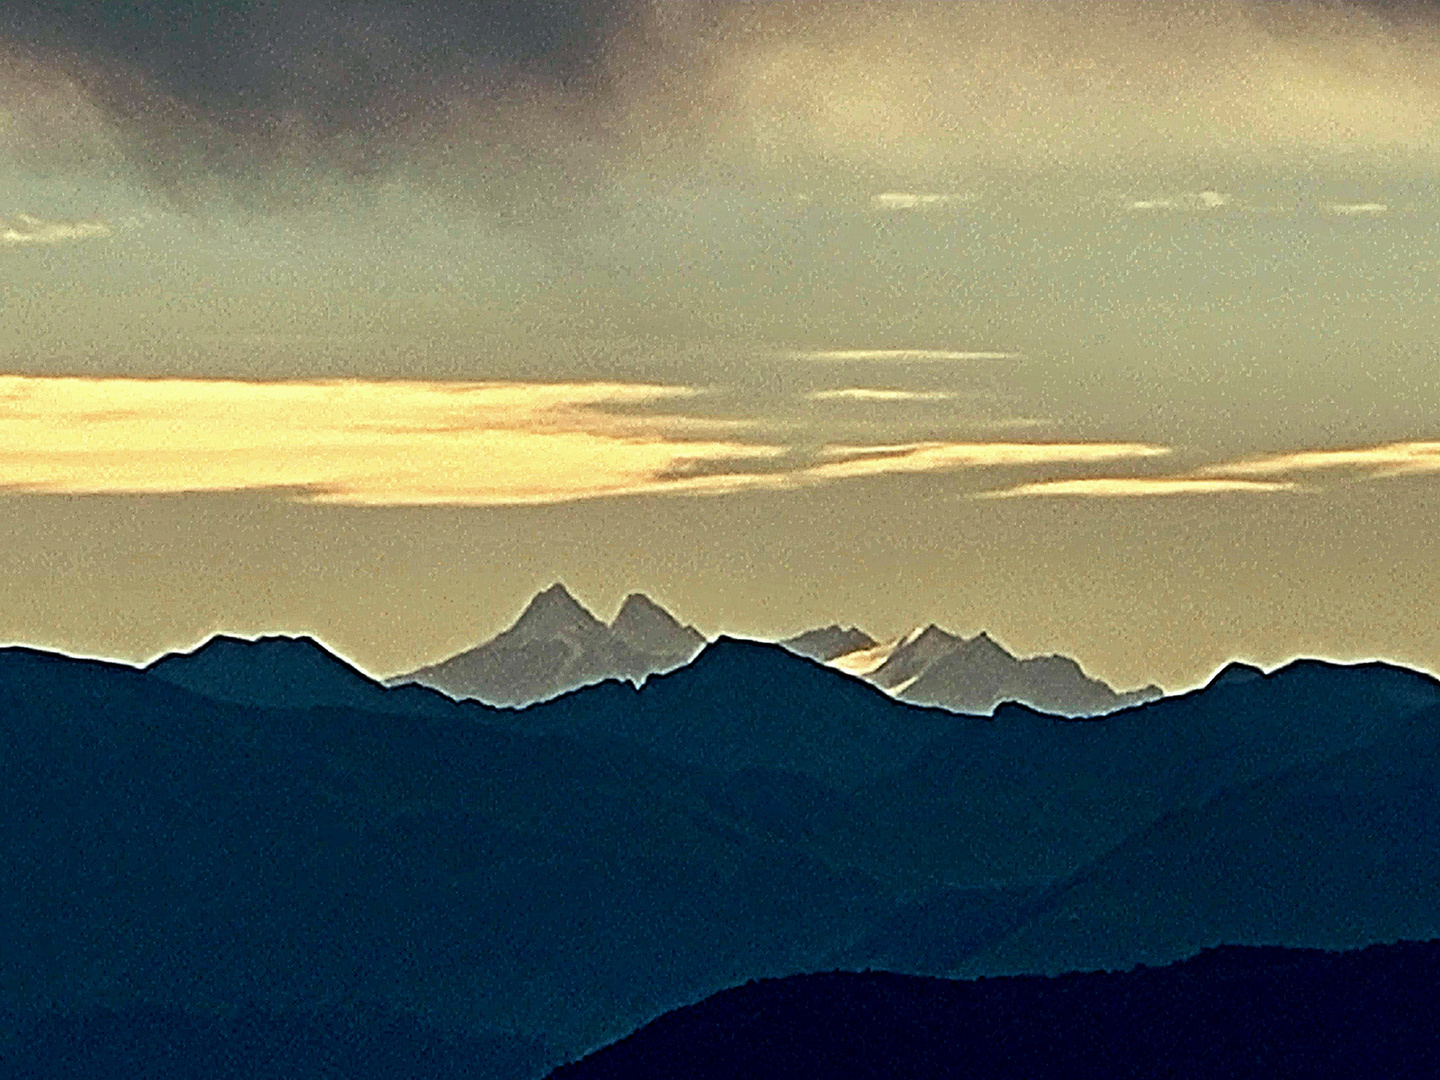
<point x="552" y="613"/>
<point x="931" y="666"/>
<point x="915" y="652"/>
<point x="828" y="642"/>
<point x="648" y="628"/>
<point x="557" y="645"/>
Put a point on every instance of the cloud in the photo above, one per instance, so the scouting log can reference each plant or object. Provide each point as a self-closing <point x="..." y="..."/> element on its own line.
<point x="1272" y="472"/>
<point x="854" y="461"/>
<point x="861" y="393"/>
<point x="26" y="229"/>
<point x="264" y="95"/>
<point x="1109" y="487"/>
<point x="1365" y="209"/>
<point x="404" y="443"/>
<point x="1206" y="200"/>
<point x="898" y="355"/>
<point x="352" y="442"/>
<point x="1382" y="460"/>
<point x="905" y="200"/>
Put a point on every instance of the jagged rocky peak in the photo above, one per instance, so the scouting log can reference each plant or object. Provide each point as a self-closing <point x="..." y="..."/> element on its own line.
<point x="828" y="642"/>
<point x="553" y="612"/>
<point x="982" y="643"/>
<point x="647" y="627"/>
<point x="928" y="640"/>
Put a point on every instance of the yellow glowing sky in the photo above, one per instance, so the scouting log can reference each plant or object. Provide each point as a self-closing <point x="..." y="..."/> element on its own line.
<point x="1110" y="328"/>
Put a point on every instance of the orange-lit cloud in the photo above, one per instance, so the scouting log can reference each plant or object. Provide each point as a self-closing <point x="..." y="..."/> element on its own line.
<point x="1387" y="459"/>
<point x="899" y="355"/>
<point x="852" y="461"/>
<point x="377" y="443"/>
<point x="1272" y="472"/>
<point x="351" y="442"/>
<point x="1106" y="487"/>
<point x="865" y="393"/>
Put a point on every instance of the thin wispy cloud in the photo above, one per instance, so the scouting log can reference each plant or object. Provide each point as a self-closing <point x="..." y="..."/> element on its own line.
<point x="853" y="461"/>
<point x="1111" y="487"/>
<point x="1207" y="200"/>
<point x="1364" y="209"/>
<point x="1268" y="473"/>
<point x="28" y="229"/>
<point x="864" y="393"/>
<point x="1382" y="460"/>
<point x="842" y="356"/>
<point x="907" y="200"/>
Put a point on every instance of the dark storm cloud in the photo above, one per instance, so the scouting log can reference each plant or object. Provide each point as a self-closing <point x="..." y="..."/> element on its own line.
<point x="330" y="59"/>
<point x="267" y="91"/>
<point x="280" y="92"/>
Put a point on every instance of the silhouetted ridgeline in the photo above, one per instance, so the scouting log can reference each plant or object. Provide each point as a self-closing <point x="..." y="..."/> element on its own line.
<point x="256" y="829"/>
<point x="1229" y="1013"/>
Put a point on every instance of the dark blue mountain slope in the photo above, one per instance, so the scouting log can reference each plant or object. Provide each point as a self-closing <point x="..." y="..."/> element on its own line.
<point x="567" y="871"/>
<point x="748" y="704"/>
<point x="1026" y="797"/>
<point x="248" y="1044"/>
<point x="289" y="673"/>
<point x="1231" y="1013"/>
<point x="163" y="849"/>
<point x="1333" y="853"/>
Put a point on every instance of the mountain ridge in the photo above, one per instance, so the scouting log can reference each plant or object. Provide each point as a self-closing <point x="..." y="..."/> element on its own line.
<point x="932" y="666"/>
<point x="557" y="645"/>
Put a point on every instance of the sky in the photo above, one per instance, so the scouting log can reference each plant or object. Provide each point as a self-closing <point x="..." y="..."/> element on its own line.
<point x="1110" y="329"/>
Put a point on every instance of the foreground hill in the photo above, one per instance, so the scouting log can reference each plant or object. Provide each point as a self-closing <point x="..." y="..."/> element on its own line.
<point x="176" y="842"/>
<point x="747" y="704"/>
<point x="167" y="850"/>
<point x="1230" y="1013"/>
<point x="557" y="645"/>
<point x="1335" y="853"/>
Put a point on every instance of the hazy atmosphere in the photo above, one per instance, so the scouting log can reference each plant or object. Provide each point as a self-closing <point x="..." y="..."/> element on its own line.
<point x="1108" y="328"/>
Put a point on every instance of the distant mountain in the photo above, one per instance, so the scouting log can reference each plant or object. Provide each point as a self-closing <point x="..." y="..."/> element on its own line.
<point x="908" y="658"/>
<point x="652" y="631"/>
<point x="557" y="645"/>
<point x="829" y="642"/>
<point x="1232" y="1013"/>
<point x="282" y="672"/>
<point x="930" y="666"/>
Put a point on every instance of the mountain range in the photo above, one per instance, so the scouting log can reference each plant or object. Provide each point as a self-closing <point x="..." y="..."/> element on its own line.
<point x="558" y="645"/>
<point x="256" y="829"/>
<point x="931" y="666"/>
